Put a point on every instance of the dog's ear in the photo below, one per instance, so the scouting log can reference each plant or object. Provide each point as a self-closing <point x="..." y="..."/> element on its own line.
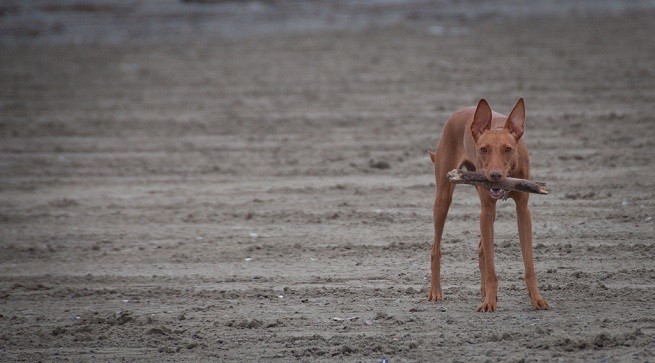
<point x="481" y="119"/>
<point x="516" y="120"/>
<point x="433" y="155"/>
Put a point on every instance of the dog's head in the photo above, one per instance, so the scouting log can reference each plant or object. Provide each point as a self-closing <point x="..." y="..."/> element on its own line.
<point x="496" y="150"/>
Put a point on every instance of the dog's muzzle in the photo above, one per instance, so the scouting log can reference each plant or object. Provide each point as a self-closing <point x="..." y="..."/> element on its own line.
<point x="499" y="193"/>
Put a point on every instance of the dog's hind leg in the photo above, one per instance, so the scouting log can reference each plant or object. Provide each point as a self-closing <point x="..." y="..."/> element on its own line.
<point x="442" y="200"/>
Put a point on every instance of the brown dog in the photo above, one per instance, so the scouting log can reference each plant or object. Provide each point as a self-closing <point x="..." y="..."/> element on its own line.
<point x="490" y="143"/>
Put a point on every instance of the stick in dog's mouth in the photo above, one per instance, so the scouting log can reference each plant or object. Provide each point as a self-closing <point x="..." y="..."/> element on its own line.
<point x="497" y="190"/>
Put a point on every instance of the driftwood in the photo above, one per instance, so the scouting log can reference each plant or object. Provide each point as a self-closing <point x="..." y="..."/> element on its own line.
<point x="457" y="176"/>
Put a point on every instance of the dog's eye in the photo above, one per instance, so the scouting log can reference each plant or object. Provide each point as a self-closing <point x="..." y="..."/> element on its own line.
<point x="483" y="150"/>
<point x="508" y="149"/>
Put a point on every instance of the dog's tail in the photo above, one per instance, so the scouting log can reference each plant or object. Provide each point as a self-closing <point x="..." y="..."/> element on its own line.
<point x="433" y="155"/>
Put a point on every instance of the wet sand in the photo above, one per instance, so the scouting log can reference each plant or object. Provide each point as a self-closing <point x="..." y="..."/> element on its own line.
<point x="269" y="198"/>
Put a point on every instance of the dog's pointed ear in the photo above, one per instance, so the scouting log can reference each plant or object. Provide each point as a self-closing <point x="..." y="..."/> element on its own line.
<point x="481" y="119"/>
<point x="516" y="120"/>
<point x="433" y="155"/>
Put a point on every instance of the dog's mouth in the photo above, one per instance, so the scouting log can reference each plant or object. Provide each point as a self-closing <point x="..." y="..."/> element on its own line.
<point x="496" y="193"/>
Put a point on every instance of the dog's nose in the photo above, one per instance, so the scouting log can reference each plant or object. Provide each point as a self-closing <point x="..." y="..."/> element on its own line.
<point x="495" y="175"/>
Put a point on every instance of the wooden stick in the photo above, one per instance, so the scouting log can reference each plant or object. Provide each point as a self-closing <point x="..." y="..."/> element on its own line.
<point x="457" y="176"/>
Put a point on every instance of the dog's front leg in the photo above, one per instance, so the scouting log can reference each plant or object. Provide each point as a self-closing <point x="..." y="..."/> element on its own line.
<point x="490" y="280"/>
<point x="524" y="220"/>
<point x="481" y="264"/>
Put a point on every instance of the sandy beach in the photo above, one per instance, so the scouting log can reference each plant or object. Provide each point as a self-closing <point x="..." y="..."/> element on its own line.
<point x="250" y="181"/>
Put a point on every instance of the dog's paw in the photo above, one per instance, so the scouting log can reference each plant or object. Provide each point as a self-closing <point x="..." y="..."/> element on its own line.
<point x="435" y="294"/>
<point x="487" y="306"/>
<point x="539" y="303"/>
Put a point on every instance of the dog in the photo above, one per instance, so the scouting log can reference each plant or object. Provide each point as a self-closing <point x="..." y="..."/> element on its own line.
<point x="490" y="143"/>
